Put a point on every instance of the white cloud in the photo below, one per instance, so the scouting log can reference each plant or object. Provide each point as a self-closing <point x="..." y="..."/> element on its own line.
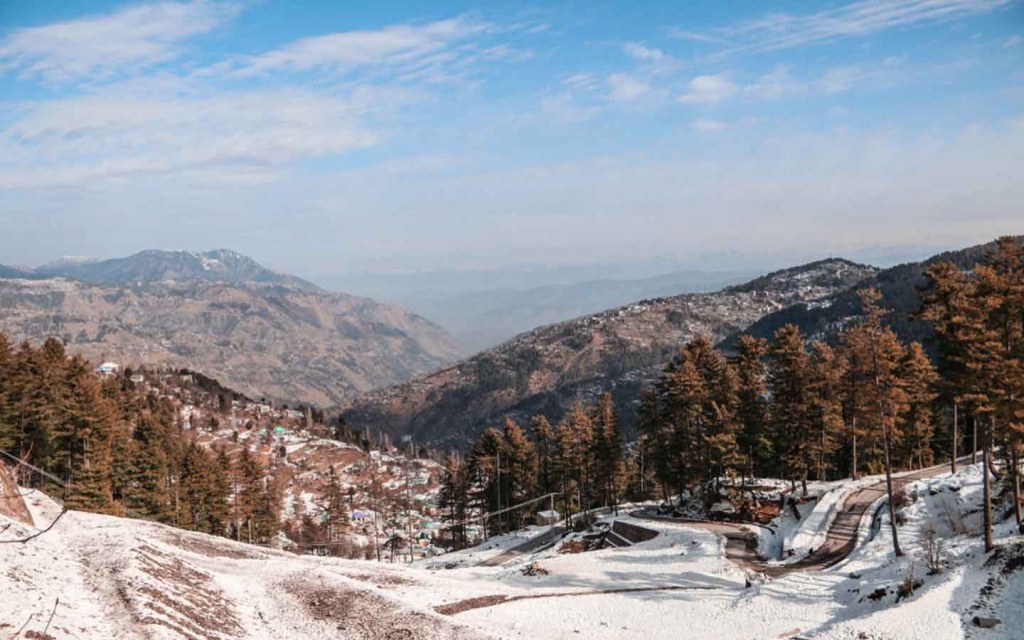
<point x="563" y="108"/>
<point x="840" y="79"/>
<point x="775" y="84"/>
<point x="104" y="47"/>
<point x="582" y="81"/>
<point x="862" y="18"/>
<point x="709" y="89"/>
<point x="708" y="125"/>
<point x="1012" y="41"/>
<point x="409" y="47"/>
<point x="626" y="88"/>
<point x="111" y="135"/>
<point x="695" y="36"/>
<point x="643" y="53"/>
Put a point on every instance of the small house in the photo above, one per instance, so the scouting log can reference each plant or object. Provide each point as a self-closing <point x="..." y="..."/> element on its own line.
<point x="548" y="517"/>
<point x="107" y="369"/>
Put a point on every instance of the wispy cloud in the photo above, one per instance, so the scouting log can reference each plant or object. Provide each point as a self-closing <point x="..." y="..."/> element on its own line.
<point x="408" y="47"/>
<point x="866" y="17"/>
<point x="104" y="47"/>
<point x="623" y="87"/>
<point x="582" y="81"/>
<point x="563" y="108"/>
<point x="708" y="126"/>
<point x="709" y="89"/>
<point x="643" y="52"/>
<point x="114" y="135"/>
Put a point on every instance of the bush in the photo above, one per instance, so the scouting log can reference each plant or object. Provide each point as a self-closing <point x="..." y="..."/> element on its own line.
<point x="933" y="551"/>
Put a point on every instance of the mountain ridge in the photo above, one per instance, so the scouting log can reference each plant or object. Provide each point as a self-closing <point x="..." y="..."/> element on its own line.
<point x="898" y="285"/>
<point x="265" y="333"/>
<point x="157" y="265"/>
<point x="549" y="368"/>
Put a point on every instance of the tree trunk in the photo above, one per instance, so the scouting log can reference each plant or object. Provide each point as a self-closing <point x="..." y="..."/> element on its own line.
<point x="853" y="468"/>
<point x="821" y="456"/>
<point x="888" y="487"/>
<point x="1015" y="461"/>
<point x="974" y="447"/>
<point x="987" y="483"/>
<point x="955" y="436"/>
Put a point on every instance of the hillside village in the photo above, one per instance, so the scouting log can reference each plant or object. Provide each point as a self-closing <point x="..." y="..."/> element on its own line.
<point x="389" y="491"/>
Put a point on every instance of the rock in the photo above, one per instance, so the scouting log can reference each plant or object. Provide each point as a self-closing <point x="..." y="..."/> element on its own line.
<point x="986" y="623"/>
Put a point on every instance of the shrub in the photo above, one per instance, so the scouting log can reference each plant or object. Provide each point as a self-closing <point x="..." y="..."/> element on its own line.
<point x="933" y="551"/>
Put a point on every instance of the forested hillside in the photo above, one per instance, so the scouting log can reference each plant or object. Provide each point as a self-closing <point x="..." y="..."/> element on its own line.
<point x="789" y="408"/>
<point x="547" y="370"/>
<point x="175" y="446"/>
<point x="899" y="287"/>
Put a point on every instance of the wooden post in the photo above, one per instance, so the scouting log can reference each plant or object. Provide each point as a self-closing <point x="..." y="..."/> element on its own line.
<point x="955" y="435"/>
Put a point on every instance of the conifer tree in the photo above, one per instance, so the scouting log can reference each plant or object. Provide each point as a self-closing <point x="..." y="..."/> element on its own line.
<point x="248" y="478"/>
<point x="608" y="451"/>
<point x="826" y="405"/>
<point x="752" y="404"/>
<point x="918" y="377"/>
<point x="543" y="436"/>
<point x="945" y="303"/>
<point x="453" y="499"/>
<point x="792" y="422"/>
<point x="8" y="429"/>
<point x="519" y="463"/>
<point x="146" y="491"/>
<point x="334" y="512"/>
<point x="884" y="353"/>
<point x="485" y="471"/>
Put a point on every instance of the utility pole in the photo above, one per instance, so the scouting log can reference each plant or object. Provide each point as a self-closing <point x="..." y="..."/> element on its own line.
<point x="501" y="529"/>
<point x="408" y="506"/>
<point x="955" y="437"/>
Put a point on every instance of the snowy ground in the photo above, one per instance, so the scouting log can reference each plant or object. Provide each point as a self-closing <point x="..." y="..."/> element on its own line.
<point x="109" y="578"/>
<point x="128" y="579"/>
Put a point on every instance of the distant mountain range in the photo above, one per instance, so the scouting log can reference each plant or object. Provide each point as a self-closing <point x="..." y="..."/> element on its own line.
<point x="621" y="350"/>
<point x="219" y="312"/>
<point x="154" y="266"/>
<point x="483" y="318"/>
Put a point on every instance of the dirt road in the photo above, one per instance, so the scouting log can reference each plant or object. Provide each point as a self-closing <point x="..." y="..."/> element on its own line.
<point x="841" y="538"/>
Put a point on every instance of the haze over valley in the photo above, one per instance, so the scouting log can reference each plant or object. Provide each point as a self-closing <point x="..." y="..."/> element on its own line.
<point x="505" y="320"/>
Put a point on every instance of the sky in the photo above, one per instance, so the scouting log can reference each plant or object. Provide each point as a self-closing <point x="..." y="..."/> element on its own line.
<point x="335" y="137"/>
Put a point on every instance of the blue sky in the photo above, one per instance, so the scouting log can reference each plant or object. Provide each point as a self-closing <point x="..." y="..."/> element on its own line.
<point x="332" y="137"/>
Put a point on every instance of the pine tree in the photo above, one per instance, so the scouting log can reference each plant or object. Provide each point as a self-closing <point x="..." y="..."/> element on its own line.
<point x="146" y="493"/>
<point x="946" y="303"/>
<point x="453" y="500"/>
<point x="543" y="436"/>
<point x="334" y="512"/>
<point x="826" y="405"/>
<point x="248" y="477"/>
<point x="884" y="353"/>
<point x="792" y="423"/>
<point x="752" y="404"/>
<point x="654" y="455"/>
<point x="8" y="428"/>
<point x="519" y="461"/>
<point x="918" y="377"/>
<point x="485" y="471"/>
<point x="608" y="451"/>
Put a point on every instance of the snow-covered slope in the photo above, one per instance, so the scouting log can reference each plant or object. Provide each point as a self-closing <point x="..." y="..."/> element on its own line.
<point x="104" y="577"/>
<point x="96" y="577"/>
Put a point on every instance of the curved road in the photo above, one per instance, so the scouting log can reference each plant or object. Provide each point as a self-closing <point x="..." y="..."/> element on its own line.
<point x="841" y="538"/>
